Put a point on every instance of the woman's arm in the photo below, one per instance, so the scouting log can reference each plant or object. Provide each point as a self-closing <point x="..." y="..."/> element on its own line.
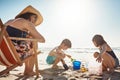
<point x="34" y="33"/>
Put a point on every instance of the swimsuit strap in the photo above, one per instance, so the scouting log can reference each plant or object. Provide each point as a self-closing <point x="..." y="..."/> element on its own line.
<point x="112" y="54"/>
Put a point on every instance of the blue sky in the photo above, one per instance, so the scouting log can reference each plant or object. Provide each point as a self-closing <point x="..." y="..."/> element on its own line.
<point x="77" y="20"/>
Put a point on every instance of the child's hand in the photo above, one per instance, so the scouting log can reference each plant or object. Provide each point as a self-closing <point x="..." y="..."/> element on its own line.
<point x="69" y="56"/>
<point x="99" y="59"/>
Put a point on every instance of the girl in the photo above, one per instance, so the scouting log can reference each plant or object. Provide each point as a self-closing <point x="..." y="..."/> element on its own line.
<point x="104" y="49"/>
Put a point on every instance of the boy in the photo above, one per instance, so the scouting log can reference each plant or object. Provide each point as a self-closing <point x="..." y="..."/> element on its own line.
<point x="56" y="55"/>
<point x="108" y="62"/>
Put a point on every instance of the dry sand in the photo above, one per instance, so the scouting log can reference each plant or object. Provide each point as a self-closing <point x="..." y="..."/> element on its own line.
<point x="60" y="74"/>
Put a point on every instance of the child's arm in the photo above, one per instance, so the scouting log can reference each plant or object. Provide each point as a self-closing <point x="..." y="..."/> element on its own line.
<point x="64" y="54"/>
<point x="69" y="56"/>
<point x="103" y="49"/>
<point x="102" y="52"/>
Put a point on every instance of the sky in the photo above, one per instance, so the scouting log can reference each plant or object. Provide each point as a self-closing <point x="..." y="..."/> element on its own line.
<point x="77" y="20"/>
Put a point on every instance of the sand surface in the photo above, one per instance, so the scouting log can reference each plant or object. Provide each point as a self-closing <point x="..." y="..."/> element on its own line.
<point x="46" y="73"/>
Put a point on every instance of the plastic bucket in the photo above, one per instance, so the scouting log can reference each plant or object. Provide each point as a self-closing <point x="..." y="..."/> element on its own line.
<point x="76" y="65"/>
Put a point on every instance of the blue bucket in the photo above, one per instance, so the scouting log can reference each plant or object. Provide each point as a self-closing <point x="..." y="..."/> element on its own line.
<point x="76" y="65"/>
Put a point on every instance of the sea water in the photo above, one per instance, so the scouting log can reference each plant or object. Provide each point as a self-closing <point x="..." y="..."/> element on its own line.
<point x="85" y="55"/>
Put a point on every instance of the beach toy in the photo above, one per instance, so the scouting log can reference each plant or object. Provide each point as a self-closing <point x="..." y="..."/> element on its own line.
<point x="83" y="69"/>
<point x="72" y="60"/>
<point x="76" y="65"/>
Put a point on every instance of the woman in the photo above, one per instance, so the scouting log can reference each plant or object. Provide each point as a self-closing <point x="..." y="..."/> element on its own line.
<point x="24" y="26"/>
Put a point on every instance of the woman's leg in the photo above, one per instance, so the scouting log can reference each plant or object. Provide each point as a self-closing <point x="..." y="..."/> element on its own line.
<point x="29" y="65"/>
<point x="26" y="71"/>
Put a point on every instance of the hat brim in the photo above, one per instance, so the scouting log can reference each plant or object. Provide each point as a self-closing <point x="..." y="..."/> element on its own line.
<point x="32" y="10"/>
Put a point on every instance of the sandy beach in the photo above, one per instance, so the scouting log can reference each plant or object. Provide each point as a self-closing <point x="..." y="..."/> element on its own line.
<point x="46" y="73"/>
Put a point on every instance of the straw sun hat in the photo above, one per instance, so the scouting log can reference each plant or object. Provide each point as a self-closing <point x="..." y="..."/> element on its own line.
<point x="32" y="10"/>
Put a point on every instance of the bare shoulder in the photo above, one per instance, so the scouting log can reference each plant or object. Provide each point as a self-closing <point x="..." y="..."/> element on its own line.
<point x="22" y="20"/>
<point x="16" y="21"/>
<point x="9" y="21"/>
<point x="26" y="23"/>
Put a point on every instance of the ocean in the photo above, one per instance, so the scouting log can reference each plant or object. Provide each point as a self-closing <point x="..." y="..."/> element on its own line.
<point x="84" y="55"/>
<point x="73" y="51"/>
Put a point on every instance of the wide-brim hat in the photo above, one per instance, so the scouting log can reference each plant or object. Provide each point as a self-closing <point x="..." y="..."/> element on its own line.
<point x="34" y="11"/>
